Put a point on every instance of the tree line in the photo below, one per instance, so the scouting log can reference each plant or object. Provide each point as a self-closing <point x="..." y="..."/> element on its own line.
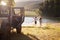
<point x="50" y="8"/>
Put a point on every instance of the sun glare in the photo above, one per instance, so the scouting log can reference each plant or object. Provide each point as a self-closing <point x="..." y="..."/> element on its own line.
<point x="3" y="3"/>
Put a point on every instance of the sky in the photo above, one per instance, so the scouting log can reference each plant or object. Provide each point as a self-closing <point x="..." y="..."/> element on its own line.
<point x="27" y="0"/>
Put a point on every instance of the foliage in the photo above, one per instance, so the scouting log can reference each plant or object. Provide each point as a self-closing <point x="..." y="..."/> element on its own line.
<point x="50" y="8"/>
<point x="11" y="2"/>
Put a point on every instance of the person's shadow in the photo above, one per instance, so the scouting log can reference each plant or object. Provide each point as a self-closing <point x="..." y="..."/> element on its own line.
<point x="19" y="37"/>
<point x="15" y="36"/>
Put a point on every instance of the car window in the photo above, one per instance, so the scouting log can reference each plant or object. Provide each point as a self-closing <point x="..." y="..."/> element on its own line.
<point x="4" y="11"/>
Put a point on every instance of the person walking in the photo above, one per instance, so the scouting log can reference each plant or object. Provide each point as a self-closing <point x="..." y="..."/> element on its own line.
<point x="35" y="20"/>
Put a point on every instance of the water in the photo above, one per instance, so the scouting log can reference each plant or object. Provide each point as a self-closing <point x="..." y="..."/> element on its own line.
<point x="29" y="21"/>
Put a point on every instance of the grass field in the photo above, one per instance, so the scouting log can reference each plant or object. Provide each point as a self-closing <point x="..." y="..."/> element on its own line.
<point x="37" y="33"/>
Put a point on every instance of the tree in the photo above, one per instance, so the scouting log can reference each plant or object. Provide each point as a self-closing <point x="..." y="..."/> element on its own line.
<point x="11" y="3"/>
<point x="50" y="8"/>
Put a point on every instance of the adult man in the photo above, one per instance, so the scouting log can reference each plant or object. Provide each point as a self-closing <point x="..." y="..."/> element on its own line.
<point x="17" y="20"/>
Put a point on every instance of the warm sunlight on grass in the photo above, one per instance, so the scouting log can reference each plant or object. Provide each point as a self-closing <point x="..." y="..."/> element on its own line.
<point x="51" y="33"/>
